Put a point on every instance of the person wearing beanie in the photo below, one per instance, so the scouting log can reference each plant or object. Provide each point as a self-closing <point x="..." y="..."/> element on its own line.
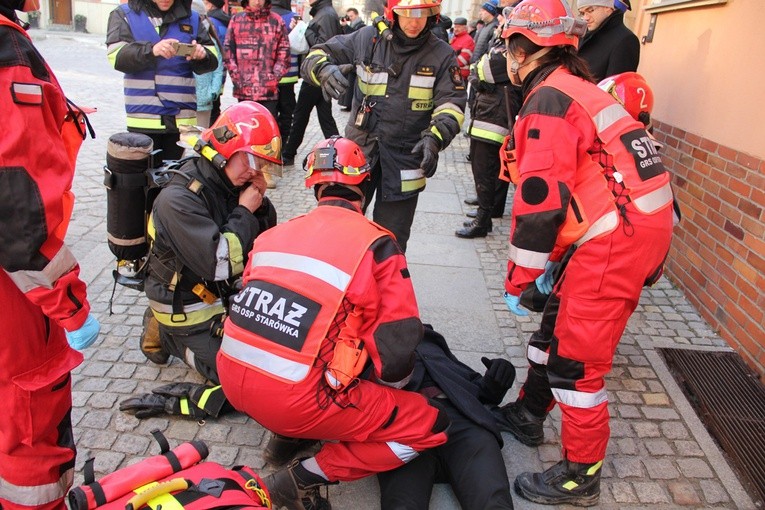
<point x="463" y="46"/>
<point x="608" y="47"/>
<point x="488" y="15"/>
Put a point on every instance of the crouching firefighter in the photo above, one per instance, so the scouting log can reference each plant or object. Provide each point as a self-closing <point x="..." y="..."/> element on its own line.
<point x="201" y="227"/>
<point x="326" y="298"/>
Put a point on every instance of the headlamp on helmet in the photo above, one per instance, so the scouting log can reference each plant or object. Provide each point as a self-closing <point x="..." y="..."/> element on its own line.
<point x="336" y="160"/>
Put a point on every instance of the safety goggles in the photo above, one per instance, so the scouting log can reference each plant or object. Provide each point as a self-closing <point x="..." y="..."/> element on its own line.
<point x="263" y="165"/>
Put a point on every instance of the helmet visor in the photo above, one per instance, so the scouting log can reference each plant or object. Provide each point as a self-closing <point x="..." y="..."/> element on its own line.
<point x="263" y="165"/>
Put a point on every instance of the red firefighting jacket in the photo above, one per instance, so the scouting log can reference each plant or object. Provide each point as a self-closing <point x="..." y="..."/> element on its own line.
<point x="463" y="46"/>
<point x="298" y="294"/>
<point x="581" y="158"/>
<point x="36" y="173"/>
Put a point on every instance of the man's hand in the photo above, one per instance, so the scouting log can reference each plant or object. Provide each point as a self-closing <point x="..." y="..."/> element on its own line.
<point x="251" y="198"/>
<point x="199" y="52"/>
<point x="333" y="80"/>
<point x="165" y="48"/>
<point x="514" y="304"/>
<point x="428" y="146"/>
<point x="499" y="376"/>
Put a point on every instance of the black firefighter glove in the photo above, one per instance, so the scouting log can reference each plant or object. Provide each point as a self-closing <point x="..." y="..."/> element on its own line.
<point x="334" y="81"/>
<point x="428" y="146"/>
<point x="266" y="215"/>
<point x="499" y="376"/>
<point x="149" y="404"/>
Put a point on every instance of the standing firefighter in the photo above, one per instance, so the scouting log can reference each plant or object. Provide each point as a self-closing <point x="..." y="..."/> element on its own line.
<point x="326" y="297"/>
<point x="45" y="310"/>
<point x="202" y="225"/>
<point x="588" y="176"/>
<point x="408" y="103"/>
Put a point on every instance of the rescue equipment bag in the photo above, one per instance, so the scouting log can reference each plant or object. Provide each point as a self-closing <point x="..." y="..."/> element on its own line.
<point x="174" y="479"/>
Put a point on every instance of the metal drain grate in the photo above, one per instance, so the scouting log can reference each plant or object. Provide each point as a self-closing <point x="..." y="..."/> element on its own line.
<point x="730" y="401"/>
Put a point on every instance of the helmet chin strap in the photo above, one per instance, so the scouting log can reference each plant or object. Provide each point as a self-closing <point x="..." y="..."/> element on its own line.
<point x="515" y="67"/>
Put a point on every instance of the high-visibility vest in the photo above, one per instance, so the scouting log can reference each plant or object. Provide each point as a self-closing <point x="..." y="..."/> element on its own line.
<point x="170" y="88"/>
<point x="294" y="286"/>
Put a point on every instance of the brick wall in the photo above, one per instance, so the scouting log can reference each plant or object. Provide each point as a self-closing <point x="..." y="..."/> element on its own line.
<point x="718" y="252"/>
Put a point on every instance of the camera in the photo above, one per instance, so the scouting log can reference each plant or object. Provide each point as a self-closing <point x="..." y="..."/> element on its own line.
<point x="345" y="18"/>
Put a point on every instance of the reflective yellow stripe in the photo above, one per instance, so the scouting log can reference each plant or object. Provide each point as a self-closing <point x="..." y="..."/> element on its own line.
<point x="184" y="402"/>
<point x="485" y="134"/>
<point x="321" y="60"/>
<point x="143" y="123"/>
<point x="371" y="84"/>
<point x="206" y="396"/>
<point x="570" y="485"/>
<point x="150" y="229"/>
<point x="111" y="52"/>
<point x="372" y="90"/>
<point x="450" y="109"/>
<point x="288" y="79"/>
<point x="235" y="256"/>
<point x="594" y="468"/>
<point x="420" y="93"/>
<point x="435" y="131"/>
<point x="413" y="185"/>
<point x="191" y="318"/>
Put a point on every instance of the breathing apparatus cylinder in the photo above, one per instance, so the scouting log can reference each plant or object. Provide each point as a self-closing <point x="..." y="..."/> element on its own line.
<point x="128" y="157"/>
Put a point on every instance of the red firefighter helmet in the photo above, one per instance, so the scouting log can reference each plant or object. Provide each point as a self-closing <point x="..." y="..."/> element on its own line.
<point x="545" y="23"/>
<point x="412" y="8"/>
<point x="632" y="91"/>
<point x="244" y="127"/>
<point x="336" y="160"/>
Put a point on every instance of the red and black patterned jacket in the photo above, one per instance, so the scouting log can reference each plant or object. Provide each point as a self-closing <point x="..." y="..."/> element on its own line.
<point x="256" y="54"/>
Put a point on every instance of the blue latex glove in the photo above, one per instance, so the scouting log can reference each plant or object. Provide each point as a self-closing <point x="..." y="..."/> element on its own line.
<point x="546" y="281"/>
<point x="86" y="335"/>
<point x="514" y="304"/>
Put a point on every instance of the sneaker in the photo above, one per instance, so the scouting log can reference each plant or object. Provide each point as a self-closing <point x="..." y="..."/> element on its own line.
<point x="288" y="491"/>
<point x="288" y="160"/>
<point x="526" y="427"/>
<point x="282" y="449"/>
<point x="566" y="483"/>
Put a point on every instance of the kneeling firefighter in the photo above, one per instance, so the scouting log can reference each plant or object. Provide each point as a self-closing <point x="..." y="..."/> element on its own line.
<point x="201" y="228"/>
<point x="326" y="297"/>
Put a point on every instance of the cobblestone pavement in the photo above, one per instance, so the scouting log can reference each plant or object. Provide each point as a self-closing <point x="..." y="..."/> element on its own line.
<point x="659" y="455"/>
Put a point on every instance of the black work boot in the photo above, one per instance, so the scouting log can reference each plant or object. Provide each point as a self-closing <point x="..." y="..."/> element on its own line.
<point x="479" y="227"/>
<point x="150" y="344"/>
<point x="282" y="449"/>
<point x="521" y="423"/>
<point x="566" y="483"/>
<point x="288" y="490"/>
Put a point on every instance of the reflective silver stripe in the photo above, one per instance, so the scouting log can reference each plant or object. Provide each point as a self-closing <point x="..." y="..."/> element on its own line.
<point x="115" y="47"/>
<point x="163" y="308"/>
<point x="178" y="97"/>
<point x="484" y="69"/>
<point x="528" y="258"/>
<point x="425" y="82"/>
<point x="62" y="263"/>
<point x="125" y="242"/>
<point x="134" y="83"/>
<point x="303" y="264"/>
<point x="370" y="77"/>
<point x="36" y="495"/>
<point x="264" y="360"/>
<point x="144" y="115"/>
<point x="403" y="452"/>
<point x="580" y="399"/>
<point x="410" y="175"/>
<point x="448" y="106"/>
<point x="222" y="270"/>
<point x="163" y="79"/>
<point x="609" y="115"/>
<point x="606" y="223"/>
<point x="494" y="128"/>
<point x="537" y="355"/>
<point x="143" y="100"/>
<point x="655" y="200"/>
<point x="186" y="114"/>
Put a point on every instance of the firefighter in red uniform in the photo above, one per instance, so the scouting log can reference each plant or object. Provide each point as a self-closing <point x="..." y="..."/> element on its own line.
<point x="589" y="176"/>
<point x="44" y="305"/>
<point x="326" y="297"/>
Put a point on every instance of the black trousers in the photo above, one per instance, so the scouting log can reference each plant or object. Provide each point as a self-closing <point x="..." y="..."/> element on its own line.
<point x="195" y="345"/>
<point x="396" y="216"/>
<point x="490" y="189"/>
<point x="308" y="97"/>
<point x="470" y="461"/>
<point x="285" y="109"/>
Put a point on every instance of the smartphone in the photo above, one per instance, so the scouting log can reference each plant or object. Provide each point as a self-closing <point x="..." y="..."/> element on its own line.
<point x="184" y="50"/>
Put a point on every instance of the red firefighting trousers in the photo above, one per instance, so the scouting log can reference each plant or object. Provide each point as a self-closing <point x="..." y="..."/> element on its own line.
<point x="377" y="428"/>
<point x="595" y="297"/>
<point x="36" y="444"/>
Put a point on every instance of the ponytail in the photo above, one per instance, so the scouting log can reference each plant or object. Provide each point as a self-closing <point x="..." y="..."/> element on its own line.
<point x="565" y="56"/>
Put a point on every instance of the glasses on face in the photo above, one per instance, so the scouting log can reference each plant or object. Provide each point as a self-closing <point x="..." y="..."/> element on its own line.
<point x="587" y="11"/>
